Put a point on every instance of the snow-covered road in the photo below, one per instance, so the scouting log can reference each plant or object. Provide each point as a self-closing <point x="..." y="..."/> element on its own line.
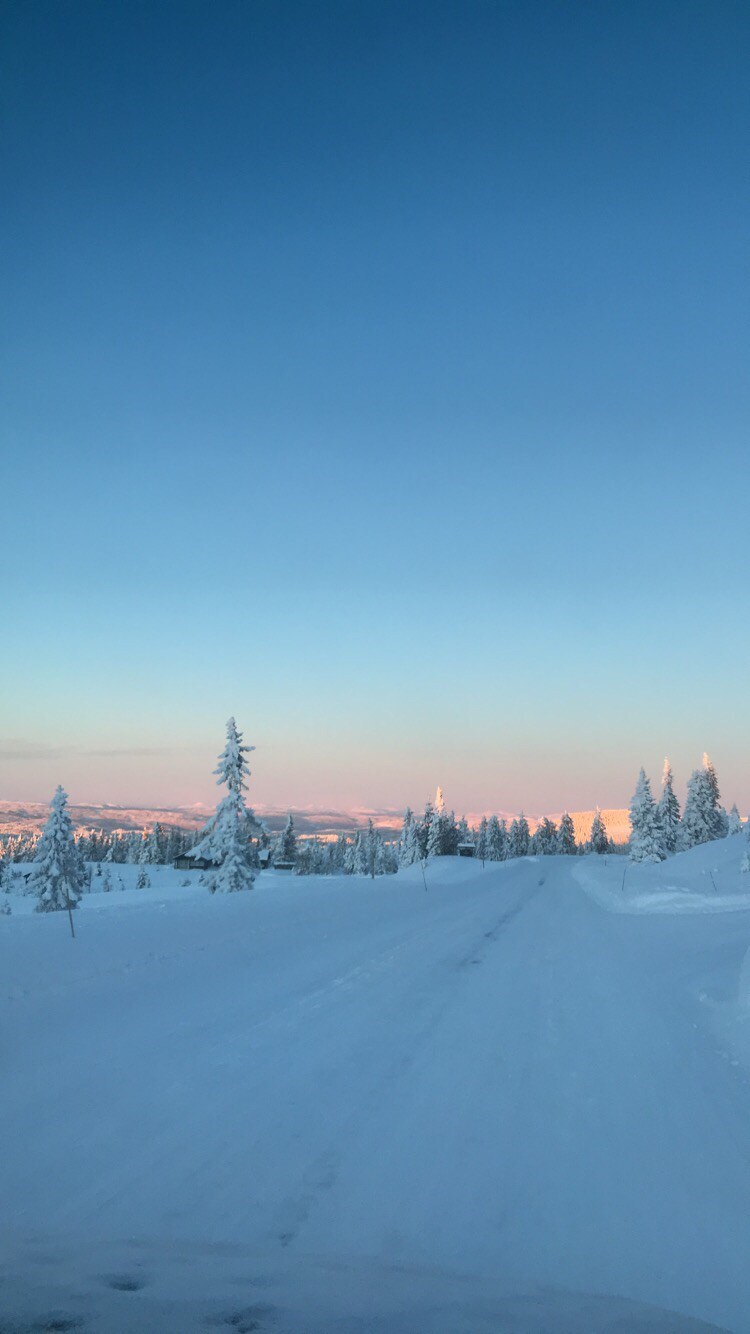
<point x="355" y="1105"/>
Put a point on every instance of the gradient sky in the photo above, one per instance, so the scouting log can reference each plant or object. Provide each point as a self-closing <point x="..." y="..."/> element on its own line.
<point x="378" y="373"/>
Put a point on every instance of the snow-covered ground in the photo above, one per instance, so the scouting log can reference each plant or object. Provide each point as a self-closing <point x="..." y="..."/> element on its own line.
<point x="519" y="1101"/>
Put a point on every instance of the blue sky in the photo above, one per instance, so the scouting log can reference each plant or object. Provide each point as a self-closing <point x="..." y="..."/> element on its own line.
<point x="376" y="372"/>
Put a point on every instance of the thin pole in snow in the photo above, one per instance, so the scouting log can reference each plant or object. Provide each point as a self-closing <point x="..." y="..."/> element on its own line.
<point x="622" y="886"/>
<point x="70" y="911"/>
<point x="424" y="877"/>
<point x="713" y="882"/>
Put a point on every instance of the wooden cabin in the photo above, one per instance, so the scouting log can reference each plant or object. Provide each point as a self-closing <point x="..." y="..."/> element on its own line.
<point x="186" y="862"/>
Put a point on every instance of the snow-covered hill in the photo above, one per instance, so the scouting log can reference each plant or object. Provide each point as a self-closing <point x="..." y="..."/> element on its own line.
<point x="501" y="1104"/>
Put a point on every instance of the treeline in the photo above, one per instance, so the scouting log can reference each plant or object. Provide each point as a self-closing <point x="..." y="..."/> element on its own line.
<point x="367" y="853"/>
<point x="156" y="847"/>
<point x="437" y="833"/>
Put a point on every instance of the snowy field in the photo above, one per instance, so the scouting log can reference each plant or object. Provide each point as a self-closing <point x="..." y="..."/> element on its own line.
<point x="518" y="1102"/>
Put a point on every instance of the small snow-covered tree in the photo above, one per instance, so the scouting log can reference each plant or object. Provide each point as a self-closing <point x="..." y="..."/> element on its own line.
<point x="566" y="838"/>
<point x="646" y="839"/>
<point x="599" y="840"/>
<point x="143" y="881"/>
<point x="57" y="878"/>
<point x="226" y="837"/>
<point x="668" y="810"/>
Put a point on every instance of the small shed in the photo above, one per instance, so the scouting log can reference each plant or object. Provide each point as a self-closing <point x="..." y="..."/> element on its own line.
<point x="264" y="858"/>
<point x="466" y="849"/>
<point x="283" y="866"/>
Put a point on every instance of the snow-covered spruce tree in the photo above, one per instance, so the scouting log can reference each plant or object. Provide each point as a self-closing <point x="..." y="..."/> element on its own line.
<point x="287" y="846"/>
<point x="566" y="838"/>
<point x="57" y="878"/>
<point x="434" y="836"/>
<point x="544" y="841"/>
<point x="719" y="816"/>
<point x="599" y="841"/>
<point x="423" y="829"/>
<point x="646" y="839"/>
<point x="519" y="838"/>
<point x="668" y="810"/>
<point x="449" y="835"/>
<point x="409" y="851"/>
<point x="350" y="856"/>
<point x="374" y="851"/>
<point x="143" y="881"/>
<point x="150" y="851"/>
<point x="735" y="823"/>
<point x="700" y="818"/>
<point x="226" y="838"/>
<point x="497" y="840"/>
<point x="481" y="849"/>
<point x="361" y="862"/>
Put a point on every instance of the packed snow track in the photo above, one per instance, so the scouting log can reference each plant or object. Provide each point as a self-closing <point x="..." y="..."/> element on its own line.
<point x="493" y="1105"/>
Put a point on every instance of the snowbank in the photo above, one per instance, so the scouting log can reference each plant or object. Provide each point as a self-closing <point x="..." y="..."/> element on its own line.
<point x="706" y="879"/>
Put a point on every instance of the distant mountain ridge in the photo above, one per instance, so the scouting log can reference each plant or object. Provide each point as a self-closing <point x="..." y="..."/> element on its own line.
<point x="25" y="816"/>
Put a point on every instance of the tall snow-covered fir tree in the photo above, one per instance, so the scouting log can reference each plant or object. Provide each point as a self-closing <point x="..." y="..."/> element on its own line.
<point x="435" y="835"/>
<point x="668" y="810"/>
<point x="423" y="828"/>
<point x="481" y="850"/>
<point x="374" y="851"/>
<point x="701" y="822"/>
<point x="713" y="784"/>
<point x="519" y="837"/>
<point x="226" y="838"/>
<point x="544" y="840"/>
<point x="735" y="822"/>
<point x="287" y="846"/>
<point x="409" y="850"/>
<point x="566" y="838"/>
<point x="497" y="839"/>
<point x="646" y="838"/>
<point x="57" y="878"/>
<point x="598" y="840"/>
